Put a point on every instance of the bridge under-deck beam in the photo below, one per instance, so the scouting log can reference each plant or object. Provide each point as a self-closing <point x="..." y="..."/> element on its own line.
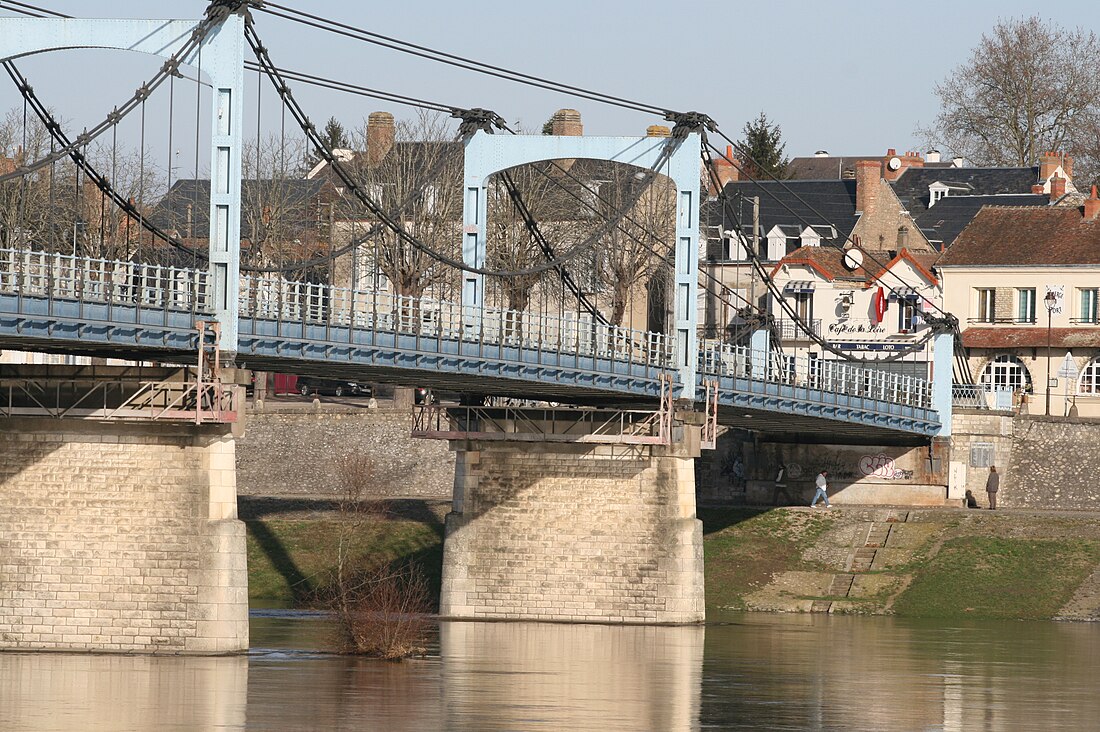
<point x="574" y="532"/>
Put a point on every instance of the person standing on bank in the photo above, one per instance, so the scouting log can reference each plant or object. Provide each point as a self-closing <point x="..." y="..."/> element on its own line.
<point x="822" y="486"/>
<point x="992" y="485"/>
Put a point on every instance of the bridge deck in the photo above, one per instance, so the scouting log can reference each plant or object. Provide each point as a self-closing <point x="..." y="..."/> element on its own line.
<point x="64" y="304"/>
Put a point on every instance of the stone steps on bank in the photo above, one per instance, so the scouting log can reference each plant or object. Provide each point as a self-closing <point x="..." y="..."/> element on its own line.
<point x="867" y="542"/>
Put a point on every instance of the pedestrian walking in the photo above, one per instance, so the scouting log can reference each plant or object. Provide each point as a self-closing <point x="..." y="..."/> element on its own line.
<point x="822" y="484"/>
<point x="992" y="485"/>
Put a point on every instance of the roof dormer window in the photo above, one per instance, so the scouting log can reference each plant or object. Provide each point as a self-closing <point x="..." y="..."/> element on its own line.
<point x="810" y="238"/>
<point x="936" y="191"/>
<point x="940" y="190"/>
<point x="777" y="244"/>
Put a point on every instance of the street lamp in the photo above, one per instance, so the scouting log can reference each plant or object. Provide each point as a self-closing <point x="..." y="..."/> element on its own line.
<point x="1051" y="300"/>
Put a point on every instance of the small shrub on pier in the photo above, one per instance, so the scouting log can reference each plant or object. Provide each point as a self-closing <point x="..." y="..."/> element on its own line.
<point x="382" y="608"/>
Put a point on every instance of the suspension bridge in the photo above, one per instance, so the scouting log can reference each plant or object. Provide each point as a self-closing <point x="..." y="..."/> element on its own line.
<point x="275" y="319"/>
<point x="492" y="264"/>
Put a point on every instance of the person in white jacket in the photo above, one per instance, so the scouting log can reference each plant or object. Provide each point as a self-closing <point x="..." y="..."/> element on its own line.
<point x="822" y="484"/>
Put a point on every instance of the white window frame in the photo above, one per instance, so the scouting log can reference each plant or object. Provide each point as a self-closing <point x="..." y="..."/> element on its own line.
<point x="907" y="315"/>
<point x="1089" y="302"/>
<point x="1088" y="383"/>
<point x="1025" y="304"/>
<point x="987" y="304"/>
<point x="1007" y="371"/>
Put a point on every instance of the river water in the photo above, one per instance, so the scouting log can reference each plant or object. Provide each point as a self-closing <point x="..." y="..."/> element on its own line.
<point x="760" y="672"/>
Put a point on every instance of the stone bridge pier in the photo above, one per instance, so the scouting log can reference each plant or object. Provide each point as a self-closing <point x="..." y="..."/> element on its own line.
<point x="548" y="528"/>
<point x="120" y="537"/>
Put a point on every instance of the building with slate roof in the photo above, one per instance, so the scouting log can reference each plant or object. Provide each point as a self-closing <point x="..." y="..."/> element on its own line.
<point x="831" y="214"/>
<point x="290" y="216"/>
<point x="943" y="222"/>
<point x="1025" y="284"/>
<point x="823" y="166"/>
<point x="866" y="303"/>
<point x="922" y="183"/>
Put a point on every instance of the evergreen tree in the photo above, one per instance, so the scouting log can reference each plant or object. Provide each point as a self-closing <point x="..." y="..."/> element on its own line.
<point x="334" y="137"/>
<point x="760" y="152"/>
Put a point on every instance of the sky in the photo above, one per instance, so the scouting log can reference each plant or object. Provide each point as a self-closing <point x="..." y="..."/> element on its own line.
<point x="852" y="78"/>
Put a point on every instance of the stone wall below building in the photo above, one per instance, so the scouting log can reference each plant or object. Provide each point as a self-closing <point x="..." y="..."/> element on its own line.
<point x="298" y="453"/>
<point x="1055" y="463"/>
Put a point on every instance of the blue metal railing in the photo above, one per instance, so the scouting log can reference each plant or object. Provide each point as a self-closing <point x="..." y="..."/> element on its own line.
<point x="496" y="331"/>
<point x="834" y="377"/>
<point x="87" y="280"/>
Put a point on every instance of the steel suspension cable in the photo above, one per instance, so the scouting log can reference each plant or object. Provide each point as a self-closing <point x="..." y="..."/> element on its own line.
<point x="372" y="206"/>
<point x="432" y="54"/>
<point x="215" y="14"/>
<point x="81" y="160"/>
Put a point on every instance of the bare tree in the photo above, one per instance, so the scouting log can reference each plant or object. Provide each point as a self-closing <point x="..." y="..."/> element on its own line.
<point x="512" y="247"/>
<point x="99" y="227"/>
<point x="1028" y="87"/>
<point x="637" y="250"/>
<point x="284" y="217"/>
<point x="24" y="202"/>
<point x="418" y="183"/>
<point x="380" y="607"/>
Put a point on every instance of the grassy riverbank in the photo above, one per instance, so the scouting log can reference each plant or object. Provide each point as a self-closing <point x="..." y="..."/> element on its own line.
<point x="927" y="563"/>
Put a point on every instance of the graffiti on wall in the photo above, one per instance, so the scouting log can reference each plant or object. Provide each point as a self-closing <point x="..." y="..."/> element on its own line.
<point x="883" y="466"/>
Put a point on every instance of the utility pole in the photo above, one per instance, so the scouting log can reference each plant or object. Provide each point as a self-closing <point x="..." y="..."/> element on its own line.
<point x="755" y="245"/>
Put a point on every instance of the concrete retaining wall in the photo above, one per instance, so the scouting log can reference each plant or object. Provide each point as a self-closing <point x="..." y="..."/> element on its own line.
<point x="297" y="454"/>
<point x="743" y="471"/>
<point x="573" y="533"/>
<point x="974" y="432"/>
<point x="120" y="538"/>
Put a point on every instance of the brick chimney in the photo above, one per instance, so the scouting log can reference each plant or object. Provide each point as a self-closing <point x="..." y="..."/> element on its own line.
<point x="1057" y="188"/>
<point x="908" y="160"/>
<point x="566" y="122"/>
<point x="868" y="179"/>
<point x="725" y="170"/>
<point x="380" y="129"/>
<point x="1037" y="189"/>
<point x="658" y="131"/>
<point x="1048" y="164"/>
<point x="1092" y="206"/>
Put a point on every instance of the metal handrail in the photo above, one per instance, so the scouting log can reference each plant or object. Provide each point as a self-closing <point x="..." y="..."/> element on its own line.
<point x="85" y="279"/>
<point x="61" y="276"/>
<point x="270" y="298"/>
<point x="742" y="362"/>
<point x="120" y="400"/>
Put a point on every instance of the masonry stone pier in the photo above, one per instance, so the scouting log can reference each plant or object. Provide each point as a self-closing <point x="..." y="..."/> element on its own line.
<point x="574" y="532"/>
<point x="120" y="537"/>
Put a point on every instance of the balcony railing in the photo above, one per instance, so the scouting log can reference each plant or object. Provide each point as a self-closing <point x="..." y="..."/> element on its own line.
<point x="1001" y="321"/>
<point x="791" y="330"/>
